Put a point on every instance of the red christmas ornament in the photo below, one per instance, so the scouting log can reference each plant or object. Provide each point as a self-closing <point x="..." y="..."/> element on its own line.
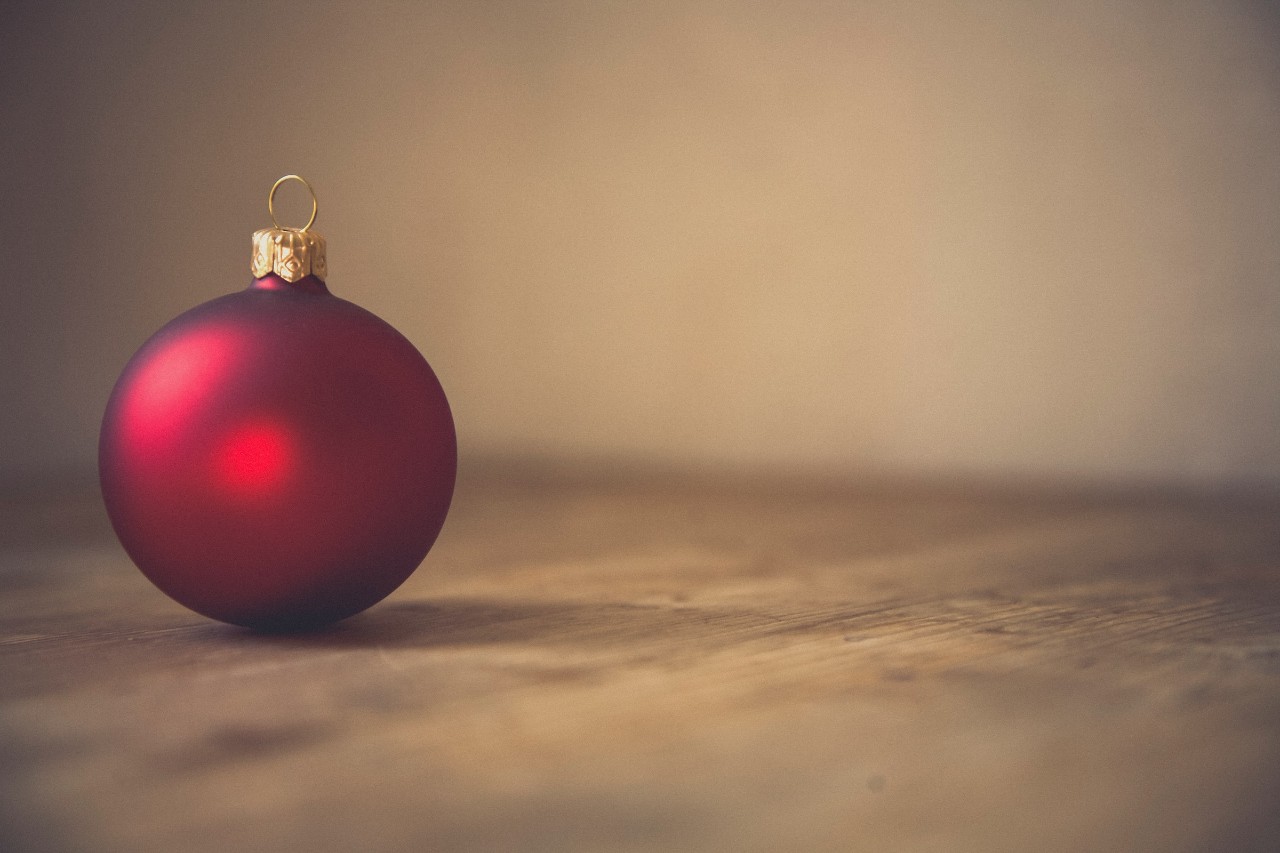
<point x="279" y="457"/>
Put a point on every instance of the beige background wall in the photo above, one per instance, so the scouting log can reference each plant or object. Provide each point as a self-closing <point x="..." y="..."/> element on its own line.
<point x="1027" y="239"/>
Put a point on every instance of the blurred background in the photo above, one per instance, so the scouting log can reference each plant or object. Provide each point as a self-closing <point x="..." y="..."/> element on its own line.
<point x="1005" y="239"/>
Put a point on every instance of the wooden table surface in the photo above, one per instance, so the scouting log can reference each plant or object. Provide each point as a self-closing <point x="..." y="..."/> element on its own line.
<point x="619" y="662"/>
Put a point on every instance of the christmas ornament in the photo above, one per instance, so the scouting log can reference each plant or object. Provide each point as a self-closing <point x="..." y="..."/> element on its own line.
<point x="278" y="457"/>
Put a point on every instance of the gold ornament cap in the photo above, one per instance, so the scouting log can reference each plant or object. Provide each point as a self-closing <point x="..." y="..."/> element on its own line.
<point x="291" y="253"/>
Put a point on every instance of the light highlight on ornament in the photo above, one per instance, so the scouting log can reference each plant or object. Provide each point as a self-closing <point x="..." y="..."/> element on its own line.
<point x="174" y="380"/>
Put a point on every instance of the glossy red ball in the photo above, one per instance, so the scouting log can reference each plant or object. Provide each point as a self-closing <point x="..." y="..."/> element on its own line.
<point x="277" y="458"/>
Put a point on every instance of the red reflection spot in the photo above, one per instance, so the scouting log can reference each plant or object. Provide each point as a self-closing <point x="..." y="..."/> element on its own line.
<point x="255" y="458"/>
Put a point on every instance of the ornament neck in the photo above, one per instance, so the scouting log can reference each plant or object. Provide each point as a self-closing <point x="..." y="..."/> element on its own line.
<point x="306" y="284"/>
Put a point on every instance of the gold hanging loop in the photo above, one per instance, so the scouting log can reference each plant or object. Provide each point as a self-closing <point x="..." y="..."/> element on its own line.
<point x="271" y="203"/>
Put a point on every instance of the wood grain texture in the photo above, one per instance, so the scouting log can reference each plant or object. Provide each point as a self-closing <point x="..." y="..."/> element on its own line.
<point x="601" y="661"/>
